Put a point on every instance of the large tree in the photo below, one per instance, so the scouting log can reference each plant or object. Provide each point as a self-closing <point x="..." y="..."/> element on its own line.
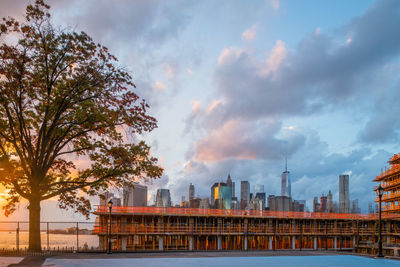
<point x="62" y="96"/>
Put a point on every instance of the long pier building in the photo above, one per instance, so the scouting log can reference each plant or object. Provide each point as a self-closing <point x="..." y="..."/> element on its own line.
<point x="185" y="229"/>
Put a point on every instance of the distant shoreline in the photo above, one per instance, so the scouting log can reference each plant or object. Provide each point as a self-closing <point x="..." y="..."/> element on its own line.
<point x="54" y="232"/>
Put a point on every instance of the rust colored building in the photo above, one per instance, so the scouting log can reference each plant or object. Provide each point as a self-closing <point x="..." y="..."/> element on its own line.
<point x="390" y="181"/>
<point x="185" y="229"/>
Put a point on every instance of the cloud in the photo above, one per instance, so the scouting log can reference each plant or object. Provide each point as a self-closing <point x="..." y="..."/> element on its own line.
<point x="250" y="34"/>
<point x="278" y="54"/>
<point x="383" y="126"/>
<point x="242" y="140"/>
<point x="170" y="70"/>
<point x="196" y="106"/>
<point x="243" y="133"/>
<point x="318" y="75"/>
<point x="159" y="86"/>
<point x="275" y="4"/>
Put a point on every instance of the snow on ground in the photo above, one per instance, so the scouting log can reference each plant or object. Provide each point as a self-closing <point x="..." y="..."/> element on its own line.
<point x="5" y="261"/>
<point x="298" y="261"/>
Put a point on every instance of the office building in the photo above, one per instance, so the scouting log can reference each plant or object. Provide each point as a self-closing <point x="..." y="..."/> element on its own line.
<point x="316" y="206"/>
<point x="370" y="208"/>
<point x="323" y="203"/>
<point x="163" y="198"/>
<point x="223" y="196"/>
<point x="262" y="197"/>
<point x="195" y="203"/>
<point x="329" y="202"/>
<point x="244" y="194"/>
<point x="344" y="197"/>
<point x="191" y="191"/>
<point x="286" y="184"/>
<point x="235" y="203"/>
<point x="231" y="184"/>
<point x="135" y="196"/>
<point x="297" y="206"/>
<point x="354" y="207"/>
<point x="256" y="204"/>
<point x="279" y="203"/>
<point x="204" y="203"/>
<point x="212" y="199"/>
<point x="303" y="204"/>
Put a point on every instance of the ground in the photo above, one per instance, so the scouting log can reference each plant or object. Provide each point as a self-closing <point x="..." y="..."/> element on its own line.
<point x="194" y="259"/>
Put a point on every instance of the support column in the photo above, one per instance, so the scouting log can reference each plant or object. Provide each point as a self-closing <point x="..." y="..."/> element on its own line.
<point x="293" y="242"/>
<point x="335" y="242"/>
<point x="270" y="243"/>
<point x="354" y="242"/>
<point x="102" y="242"/>
<point x="123" y="243"/>
<point x="190" y="243"/>
<point x="315" y="243"/>
<point x="123" y="224"/>
<point x="245" y="242"/>
<point x="219" y="242"/>
<point x="160" y="243"/>
<point x="388" y="239"/>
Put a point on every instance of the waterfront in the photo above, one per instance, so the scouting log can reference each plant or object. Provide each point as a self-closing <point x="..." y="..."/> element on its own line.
<point x="56" y="241"/>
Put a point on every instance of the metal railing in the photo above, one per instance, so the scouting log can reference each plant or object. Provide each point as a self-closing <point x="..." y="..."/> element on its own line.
<point x="55" y="236"/>
<point x="239" y="213"/>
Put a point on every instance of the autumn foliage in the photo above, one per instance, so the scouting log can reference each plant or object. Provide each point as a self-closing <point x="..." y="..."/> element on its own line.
<point x="62" y="96"/>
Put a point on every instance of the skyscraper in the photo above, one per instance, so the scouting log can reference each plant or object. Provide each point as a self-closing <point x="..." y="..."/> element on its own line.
<point x="244" y="194"/>
<point x="223" y="196"/>
<point x="329" y="202"/>
<point x="284" y="183"/>
<point x="316" y="205"/>
<point x="231" y="184"/>
<point x="355" y="208"/>
<point x="344" y="198"/>
<point x="163" y="198"/>
<point x="323" y="205"/>
<point x="262" y="197"/>
<point x="286" y="187"/>
<point x="191" y="192"/>
<point x="229" y="180"/>
<point x="212" y="200"/>
<point x="135" y="196"/>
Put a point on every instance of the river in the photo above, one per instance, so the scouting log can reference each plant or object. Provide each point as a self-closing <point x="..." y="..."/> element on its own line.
<point x="56" y="241"/>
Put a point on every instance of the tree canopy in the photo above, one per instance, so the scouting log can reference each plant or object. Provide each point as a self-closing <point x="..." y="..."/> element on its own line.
<point x="62" y="96"/>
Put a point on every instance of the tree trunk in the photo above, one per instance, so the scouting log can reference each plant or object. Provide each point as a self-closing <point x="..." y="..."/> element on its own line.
<point x="34" y="225"/>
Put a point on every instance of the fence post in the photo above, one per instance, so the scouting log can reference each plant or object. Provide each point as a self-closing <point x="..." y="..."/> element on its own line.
<point x="77" y="236"/>
<point x="17" y="236"/>
<point x="48" y="233"/>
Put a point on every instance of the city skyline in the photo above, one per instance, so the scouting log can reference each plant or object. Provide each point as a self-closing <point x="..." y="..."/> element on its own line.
<point x="239" y="94"/>
<point x="223" y="198"/>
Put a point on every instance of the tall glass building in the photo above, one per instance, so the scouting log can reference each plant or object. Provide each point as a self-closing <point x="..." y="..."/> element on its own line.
<point x="223" y="196"/>
<point x="163" y="198"/>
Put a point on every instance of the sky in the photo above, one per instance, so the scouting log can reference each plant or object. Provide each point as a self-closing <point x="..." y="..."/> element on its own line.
<point x="237" y="86"/>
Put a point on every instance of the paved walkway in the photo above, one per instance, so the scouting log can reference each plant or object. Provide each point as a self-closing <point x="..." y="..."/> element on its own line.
<point x="94" y="259"/>
<point x="5" y="261"/>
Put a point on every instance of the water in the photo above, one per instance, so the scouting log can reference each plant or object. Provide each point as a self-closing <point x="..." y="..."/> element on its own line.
<point x="274" y="261"/>
<point x="56" y="241"/>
